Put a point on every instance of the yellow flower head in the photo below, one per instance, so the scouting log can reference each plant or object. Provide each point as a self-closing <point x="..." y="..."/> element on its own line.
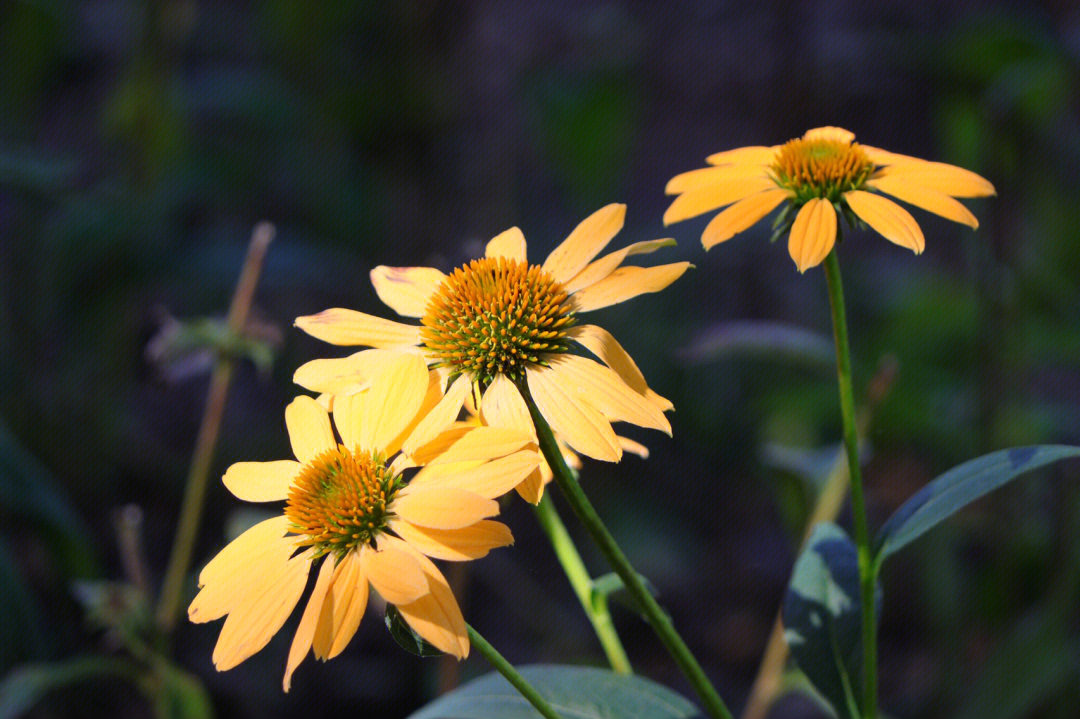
<point x="500" y="325"/>
<point x="351" y="510"/>
<point x="822" y="173"/>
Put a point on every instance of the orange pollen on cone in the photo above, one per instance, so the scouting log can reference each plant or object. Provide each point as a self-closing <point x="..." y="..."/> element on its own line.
<point x="496" y="316"/>
<point x="821" y="168"/>
<point x="340" y="500"/>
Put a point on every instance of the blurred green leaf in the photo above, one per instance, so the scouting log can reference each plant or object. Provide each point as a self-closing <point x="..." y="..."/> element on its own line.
<point x="20" y="632"/>
<point x="611" y="586"/>
<point x="29" y="170"/>
<point x="762" y="339"/>
<point x="574" y="692"/>
<point x="176" y="694"/>
<point x="959" y="487"/>
<point x="26" y="686"/>
<point x="406" y="636"/>
<point x="822" y="617"/>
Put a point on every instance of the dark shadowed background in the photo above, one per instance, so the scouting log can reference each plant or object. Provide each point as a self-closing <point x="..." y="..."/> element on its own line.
<point x="139" y="144"/>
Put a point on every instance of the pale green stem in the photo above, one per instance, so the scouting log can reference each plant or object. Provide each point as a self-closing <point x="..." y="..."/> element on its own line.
<point x="507" y="670"/>
<point x="594" y="604"/>
<point x="654" y="614"/>
<point x="858" y="505"/>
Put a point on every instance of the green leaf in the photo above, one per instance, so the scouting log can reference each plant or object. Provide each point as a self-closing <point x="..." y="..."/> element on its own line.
<point x="25" y="686"/>
<point x="959" y="487"/>
<point x="406" y="636"/>
<point x="573" y="692"/>
<point x="177" y="694"/>
<point x="822" y="617"/>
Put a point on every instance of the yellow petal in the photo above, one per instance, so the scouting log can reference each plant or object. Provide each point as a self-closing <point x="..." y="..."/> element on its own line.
<point x="753" y="155"/>
<point x="343" y="609"/>
<point x="503" y="406"/>
<point x="309" y="428"/>
<point x="483" y="443"/>
<point x="261" y="481"/>
<point x="348" y="327"/>
<point x="577" y="423"/>
<point x="443" y="507"/>
<point x="373" y="419"/>
<point x="711" y="197"/>
<point x="509" y="244"/>
<point x="813" y="234"/>
<point x="531" y="489"/>
<point x="633" y="447"/>
<point x="915" y="193"/>
<point x="889" y="219"/>
<point x="440" y="418"/>
<point x="435" y="616"/>
<point x="406" y="289"/>
<point x="601" y="343"/>
<point x="830" y="134"/>
<point x="944" y="178"/>
<point x="265" y="607"/>
<point x="603" y="389"/>
<point x="301" y="642"/>
<point x="455" y="545"/>
<point x="486" y="479"/>
<point x="395" y="574"/>
<point x="626" y="283"/>
<point x="259" y="552"/>
<point x="434" y="395"/>
<point x="601" y="268"/>
<point x="585" y="242"/>
<point x="740" y="216"/>
<point x="346" y="375"/>
<point x="706" y="177"/>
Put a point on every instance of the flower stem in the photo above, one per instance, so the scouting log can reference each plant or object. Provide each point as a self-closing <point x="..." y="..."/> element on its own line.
<point x="858" y="505"/>
<point x="654" y="614"/>
<point x="206" y="441"/>
<point x="507" y="670"/>
<point x="594" y="604"/>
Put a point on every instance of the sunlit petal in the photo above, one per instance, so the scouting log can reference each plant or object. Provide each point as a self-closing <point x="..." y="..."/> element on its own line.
<point x="509" y="244"/>
<point x="261" y="481"/>
<point x="309" y="428"/>
<point x="892" y="221"/>
<point x="406" y="289"/>
<point x="579" y="424"/>
<point x="351" y="328"/>
<point x="585" y="242"/>
<point x="455" y="545"/>
<point x="720" y="193"/>
<point x="626" y="283"/>
<point x="913" y="192"/>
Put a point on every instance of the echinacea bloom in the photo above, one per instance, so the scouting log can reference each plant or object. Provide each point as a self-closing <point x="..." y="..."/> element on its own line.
<point x="353" y="516"/>
<point x="822" y="173"/>
<point x="499" y="326"/>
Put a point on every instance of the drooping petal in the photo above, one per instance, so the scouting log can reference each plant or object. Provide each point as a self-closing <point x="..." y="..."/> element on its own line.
<point x="259" y="615"/>
<point x="626" y="283"/>
<point x="435" y="616"/>
<point x="343" y="608"/>
<point x="830" y="134"/>
<point x="601" y="268"/>
<point x="487" y="479"/>
<point x="509" y="244"/>
<point x="600" y="387"/>
<point x="633" y="447"/>
<point x="741" y="215"/>
<point x="711" y="197"/>
<point x="531" y="489"/>
<point x="440" y="417"/>
<point x="813" y="234"/>
<point x="395" y="573"/>
<point x="915" y="193"/>
<point x="309" y="428"/>
<point x="406" y="289"/>
<point x="705" y="177"/>
<point x="346" y="375"/>
<point x="503" y="406"/>
<point x="261" y="481"/>
<point x="442" y="507"/>
<point x="351" y="328"/>
<point x="483" y="443"/>
<point x="752" y="155"/>
<point x="258" y="552"/>
<point x="373" y="419"/>
<point x="585" y="242"/>
<point x="580" y="425"/>
<point x="301" y="642"/>
<point x="455" y="545"/>
<point x="602" y="344"/>
<point x="889" y="219"/>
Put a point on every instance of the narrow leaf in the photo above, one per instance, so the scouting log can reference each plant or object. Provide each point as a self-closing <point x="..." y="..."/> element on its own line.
<point x="406" y="636"/>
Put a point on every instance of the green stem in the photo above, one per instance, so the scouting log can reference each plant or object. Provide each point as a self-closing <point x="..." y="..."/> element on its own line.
<point x="654" y="614"/>
<point x="507" y="670"/>
<point x="594" y="604"/>
<point x="858" y="505"/>
<point x="202" y="457"/>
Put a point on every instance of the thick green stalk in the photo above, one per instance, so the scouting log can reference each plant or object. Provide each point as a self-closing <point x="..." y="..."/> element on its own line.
<point x="507" y="670"/>
<point x="858" y="505"/>
<point x="595" y="605"/>
<point x="654" y="614"/>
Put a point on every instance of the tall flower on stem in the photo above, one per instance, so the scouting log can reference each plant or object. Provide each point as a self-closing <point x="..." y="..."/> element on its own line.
<point x="820" y="175"/>
<point x="353" y="514"/>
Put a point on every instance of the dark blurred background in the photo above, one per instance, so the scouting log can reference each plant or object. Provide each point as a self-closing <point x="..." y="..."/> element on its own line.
<point x="139" y="144"/>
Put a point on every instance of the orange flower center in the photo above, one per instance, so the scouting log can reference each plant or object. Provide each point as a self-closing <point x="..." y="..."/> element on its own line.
<point x="340" y="500"/>
<point x="496" y="316"/>
<point x="821" y="168"/>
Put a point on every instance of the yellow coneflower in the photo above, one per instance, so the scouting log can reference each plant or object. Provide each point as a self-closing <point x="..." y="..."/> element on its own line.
<point x="499" y="324"/>
<point x="823" y="173"/>
<point x="351" y="511"/>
